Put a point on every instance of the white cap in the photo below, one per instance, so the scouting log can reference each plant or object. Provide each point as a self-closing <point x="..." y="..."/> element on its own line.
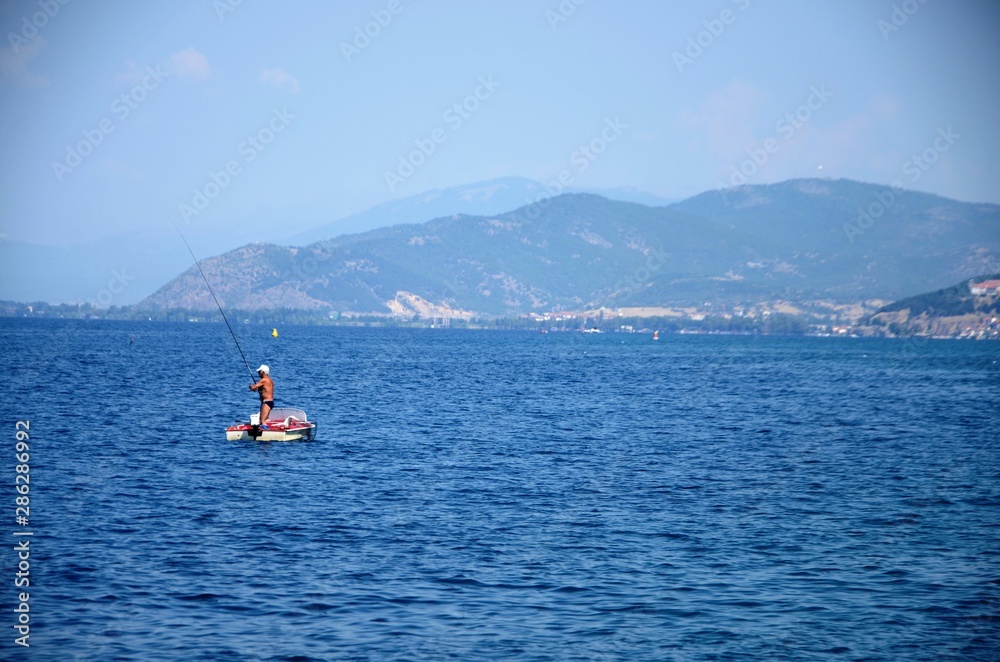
<point x="264" y="369"/>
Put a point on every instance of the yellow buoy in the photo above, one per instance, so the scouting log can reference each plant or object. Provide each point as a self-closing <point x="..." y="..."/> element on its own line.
<point x="274" y="333"/>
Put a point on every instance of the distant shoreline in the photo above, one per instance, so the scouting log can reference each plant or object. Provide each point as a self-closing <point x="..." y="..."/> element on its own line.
<point x="779" y="325"/>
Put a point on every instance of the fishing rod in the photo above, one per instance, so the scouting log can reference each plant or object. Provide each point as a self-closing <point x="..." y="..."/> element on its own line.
<point x="198" y="264"/>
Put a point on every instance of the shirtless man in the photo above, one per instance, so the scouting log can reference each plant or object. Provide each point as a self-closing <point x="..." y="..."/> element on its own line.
<point x="266" y="389"/>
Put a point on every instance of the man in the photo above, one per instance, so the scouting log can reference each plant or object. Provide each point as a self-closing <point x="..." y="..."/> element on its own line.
<point x="265" y="387"/>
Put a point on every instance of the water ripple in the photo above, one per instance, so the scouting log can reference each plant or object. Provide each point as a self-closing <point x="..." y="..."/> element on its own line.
<point x="479" y="495"/>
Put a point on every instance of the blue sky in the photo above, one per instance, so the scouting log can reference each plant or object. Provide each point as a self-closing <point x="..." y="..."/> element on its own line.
<point x="118" y="114"/>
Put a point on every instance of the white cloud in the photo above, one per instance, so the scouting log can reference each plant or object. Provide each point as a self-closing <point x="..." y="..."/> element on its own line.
<point x="190" y="64"/>
<point x="14" y="64"/>
<point x="280" y="79"/>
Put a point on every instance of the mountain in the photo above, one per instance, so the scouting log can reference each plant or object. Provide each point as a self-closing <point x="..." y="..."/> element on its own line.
<point x="479" y="199"/>
<point x="798" y="241"/>
<point x="950" y="311"/>
<point x="124" y="269"/>
<point x="951" y="301"/>
<point x="864" y="240"/>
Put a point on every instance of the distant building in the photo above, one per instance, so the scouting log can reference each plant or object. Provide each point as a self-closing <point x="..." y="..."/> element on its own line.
<point x="985" y="287"/>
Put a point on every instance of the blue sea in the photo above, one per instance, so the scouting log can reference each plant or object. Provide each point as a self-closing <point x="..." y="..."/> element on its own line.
<point x="500" y="495"/>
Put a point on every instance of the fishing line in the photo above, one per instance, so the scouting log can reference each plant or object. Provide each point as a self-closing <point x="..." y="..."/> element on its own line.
<point x="198" y="264"/>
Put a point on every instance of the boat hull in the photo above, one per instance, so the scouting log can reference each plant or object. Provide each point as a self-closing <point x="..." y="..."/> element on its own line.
<point x="288" y="424"/>
<point x="247" y="433"/>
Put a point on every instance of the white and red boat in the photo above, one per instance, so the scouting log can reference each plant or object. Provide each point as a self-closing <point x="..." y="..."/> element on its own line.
<point x="283" y="424"/>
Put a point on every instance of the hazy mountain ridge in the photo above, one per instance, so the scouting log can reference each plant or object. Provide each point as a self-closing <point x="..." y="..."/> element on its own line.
<point x="478" y="199"/>
<point x="790" y="241"/>
<point x="126" y="268"/>
<point x="916" y="243"/>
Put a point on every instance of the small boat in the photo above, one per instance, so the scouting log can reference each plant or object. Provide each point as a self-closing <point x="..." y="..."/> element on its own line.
<point x="283" y="424"/>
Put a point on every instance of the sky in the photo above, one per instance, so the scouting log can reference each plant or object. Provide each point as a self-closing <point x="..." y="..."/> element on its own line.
<point x="217" y="115"/>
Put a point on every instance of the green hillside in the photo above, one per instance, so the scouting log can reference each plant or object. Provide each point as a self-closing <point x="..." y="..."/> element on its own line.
<point x="789" y="241"/>
<point x="948" y="302"/>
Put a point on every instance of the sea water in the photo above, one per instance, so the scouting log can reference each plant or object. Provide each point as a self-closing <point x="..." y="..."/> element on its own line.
<point x="502" y="495"/>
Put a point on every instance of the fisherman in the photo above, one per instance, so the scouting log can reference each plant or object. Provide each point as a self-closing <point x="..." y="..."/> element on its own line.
<point x="265" y="387"/>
